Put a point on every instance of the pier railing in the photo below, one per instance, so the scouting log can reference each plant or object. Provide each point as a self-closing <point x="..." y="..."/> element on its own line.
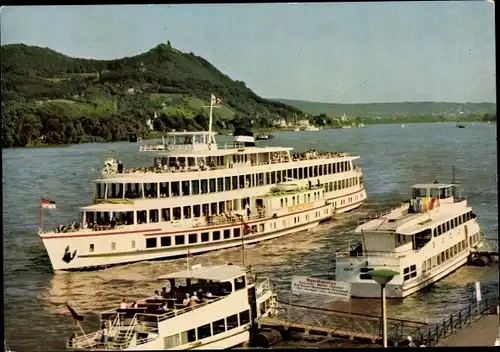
<point x="432" y="335"/>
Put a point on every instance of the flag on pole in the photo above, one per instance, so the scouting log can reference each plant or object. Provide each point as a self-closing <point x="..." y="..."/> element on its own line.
<point x="216" y="100"/>
<point x="74" y="314"/>
<point x="48" y="203"/>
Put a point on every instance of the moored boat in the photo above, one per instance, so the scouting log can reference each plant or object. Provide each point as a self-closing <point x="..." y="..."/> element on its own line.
<point x="423" y="240"/>
<point x="225" y="302"/>
<point x="200" y="197"/>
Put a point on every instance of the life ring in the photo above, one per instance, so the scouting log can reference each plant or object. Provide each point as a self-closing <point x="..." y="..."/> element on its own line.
<point x="170" y="147"/>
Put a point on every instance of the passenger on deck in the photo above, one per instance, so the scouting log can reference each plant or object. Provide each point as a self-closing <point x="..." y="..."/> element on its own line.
<point x="164" y="292"/>
<point x="194" y="297"/>
<point x="123" y="304"/>
<point x="163" y="308"/>
<point x="157" y="295"/>
<point x="208" y="294"/>
<point x="112" y="223"/>
<point x="133" y="305"/>
<point x="186" y="300"/>
<point x="104" y="334"/>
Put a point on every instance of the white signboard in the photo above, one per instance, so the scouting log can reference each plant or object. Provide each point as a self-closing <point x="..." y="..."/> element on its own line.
<point x="478" y="291"/>
<point x="335" y="289"/>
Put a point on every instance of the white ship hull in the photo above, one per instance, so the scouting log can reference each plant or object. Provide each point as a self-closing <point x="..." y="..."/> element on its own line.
<point x="423" y="247"/>
<point x="129" y="243"/>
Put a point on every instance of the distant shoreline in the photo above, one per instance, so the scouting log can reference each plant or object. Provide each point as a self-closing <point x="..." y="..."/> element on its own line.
<point x="158" y="135"/>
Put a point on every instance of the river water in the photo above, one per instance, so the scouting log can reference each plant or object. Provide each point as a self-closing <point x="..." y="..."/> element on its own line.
<point x="392" y="157"/>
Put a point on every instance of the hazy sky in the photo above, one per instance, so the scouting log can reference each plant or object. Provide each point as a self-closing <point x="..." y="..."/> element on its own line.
<point x="338" y="52"/>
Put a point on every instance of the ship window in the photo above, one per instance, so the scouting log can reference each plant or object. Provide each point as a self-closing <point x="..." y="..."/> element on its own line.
<point x="220" y="184"/>
<point x="365" y="276"/>
<point x="268" y="178"/>
<point x="254" y="228"/>
<point x="222" y="207"/>
<point x="196" y="211"/>
<point x="204" y="331"/>
<point x="165" y="241"/>
<point x="195" y="187"/>
<point x="406" y="270"/>
<point x="151" y="242"/>
<point x="235" y="182"/>
<point x="289" y="173"/>
<point x="187" y="212"/>
<point x="261" y="179"/>
<point x="365" y="270"/>
<point x="232" y="322"/>
<point x="191" y="336"/>
<point x="306" y="173"/>
<point x="261" y="228"/>
<point x="236" y="232"/>
<point x="172" y="341"/>
<point x="273" y="177"/>
<point x="193" y="238"/>
<point x="227" y="183"/>
<point x="205" y="209"/>
<point x="219" y="326"/>
<point x="175" y="188"/>
<point x="239" y="283"/>
<point x="185" y="188"/>
<point x="281" y="202"/>
<point x="212" y="185"/>
<point x="413" y="267"/>
<point x="176" y="213"/>
<point x="113" y="246"/>
<point x="300" y="174"/>
<point x="179" y="240"/>
<point x="244" y="317"/>
<point x="165" y="214"/>
<point x="213" y="208"/>
<point x="141" y="217"/>
<point x="216" y="235"/>
<point x="153" y="215"/>
<point x="413" y="274"/>
<point x="204" y="186"/>
<point x="91" y="248"/>
<point x="204" y="237"/>
<point x="227" y="234"/>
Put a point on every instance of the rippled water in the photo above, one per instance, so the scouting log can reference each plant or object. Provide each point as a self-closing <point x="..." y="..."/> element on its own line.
<point x="392" y="158"/>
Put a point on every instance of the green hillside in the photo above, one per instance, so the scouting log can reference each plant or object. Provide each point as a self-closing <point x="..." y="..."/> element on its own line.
<point x="393" y="109"/>
<point x="51" y="98"/>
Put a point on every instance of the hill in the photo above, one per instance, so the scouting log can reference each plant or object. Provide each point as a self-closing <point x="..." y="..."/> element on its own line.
<point x="393" y="109"/>
<point x="51" y="98"/>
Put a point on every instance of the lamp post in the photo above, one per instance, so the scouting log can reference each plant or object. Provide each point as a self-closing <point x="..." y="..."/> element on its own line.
<point x="383" y="277"/>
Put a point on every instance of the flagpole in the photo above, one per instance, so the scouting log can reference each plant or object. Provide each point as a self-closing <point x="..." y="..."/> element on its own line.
<point x="243" y="242"/>
<point x="210" y="116"/>
<point x="41" y="215"/>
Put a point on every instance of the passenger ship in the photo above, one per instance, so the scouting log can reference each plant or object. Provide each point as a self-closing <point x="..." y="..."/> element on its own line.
<point x="198" y="197"/>
<point x="424" y="240"/>
<point x="237" y="300"/>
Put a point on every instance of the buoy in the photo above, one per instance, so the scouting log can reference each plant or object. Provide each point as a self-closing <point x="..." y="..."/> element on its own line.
<point x="480" y="261"/>
<point x="266" y="338"/>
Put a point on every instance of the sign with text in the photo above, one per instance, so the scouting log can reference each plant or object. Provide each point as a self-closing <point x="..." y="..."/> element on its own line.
<point x="478" y="291"/>
<point x="335" y="289"/>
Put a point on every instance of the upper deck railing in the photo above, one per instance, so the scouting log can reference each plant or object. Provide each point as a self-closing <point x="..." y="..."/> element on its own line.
<point x="276" y="159"/>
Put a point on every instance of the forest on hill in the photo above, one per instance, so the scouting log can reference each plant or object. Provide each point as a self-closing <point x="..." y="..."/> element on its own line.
<point x="50" y="98"/>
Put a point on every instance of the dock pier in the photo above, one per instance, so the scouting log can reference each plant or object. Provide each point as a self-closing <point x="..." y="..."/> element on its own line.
<point x="297" y="322"/>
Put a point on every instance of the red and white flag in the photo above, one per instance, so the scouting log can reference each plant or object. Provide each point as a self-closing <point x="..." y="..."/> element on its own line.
<point x="216" y="100"/>
<point x="47" y="203"/>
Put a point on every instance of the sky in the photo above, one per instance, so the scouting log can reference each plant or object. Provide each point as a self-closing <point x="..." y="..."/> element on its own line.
<point x="323" y="52"/>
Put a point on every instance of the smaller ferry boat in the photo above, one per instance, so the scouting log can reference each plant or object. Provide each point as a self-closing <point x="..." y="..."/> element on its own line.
<point x="424" y="240"/>
<point x="263" y="137"/>
<point x="230" y="300"/>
